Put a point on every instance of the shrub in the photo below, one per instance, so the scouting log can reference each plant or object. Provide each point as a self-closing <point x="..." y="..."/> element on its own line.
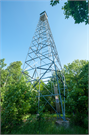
<point x="86" y="123"/>
<point x="16" y="103"/>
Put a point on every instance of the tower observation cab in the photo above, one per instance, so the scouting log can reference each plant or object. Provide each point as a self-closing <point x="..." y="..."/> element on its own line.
<point x="43" y="16"/>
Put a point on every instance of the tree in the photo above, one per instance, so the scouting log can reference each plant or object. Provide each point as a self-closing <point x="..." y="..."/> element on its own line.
<point x="76" y="75"/>
<point x="3" y="72"/>
<point x="9" y="75"/>
<point x="16" y="104"/>
<point x="77" y="9"/>
<point x="72" y="72"/>
<point x="2" y="64"/>
<point x="3" y="77"/>
<point x="54" y="2"/>
<point x="16" y="97"/>
<point x="14" y="71"/>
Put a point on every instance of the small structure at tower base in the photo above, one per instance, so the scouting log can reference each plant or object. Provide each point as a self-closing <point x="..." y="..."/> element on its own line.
<point x="62" y="123"/>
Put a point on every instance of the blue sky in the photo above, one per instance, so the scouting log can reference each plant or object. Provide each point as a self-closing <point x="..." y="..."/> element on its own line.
<point x="18" y="23"/>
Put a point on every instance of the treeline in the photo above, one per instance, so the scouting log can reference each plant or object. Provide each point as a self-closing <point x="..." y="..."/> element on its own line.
<point x="17" y="99"/>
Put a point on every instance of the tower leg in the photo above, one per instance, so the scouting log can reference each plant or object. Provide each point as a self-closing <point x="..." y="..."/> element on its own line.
<point x="57" y="100"/>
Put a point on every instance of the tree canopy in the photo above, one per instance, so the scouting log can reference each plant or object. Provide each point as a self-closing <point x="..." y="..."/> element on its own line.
<point x="76" y="75"/>
<point x="17" y="99"/>
<point x="77" y="9"/>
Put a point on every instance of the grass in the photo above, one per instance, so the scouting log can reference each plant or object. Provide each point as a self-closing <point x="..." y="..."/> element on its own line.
<point x="46" y="125"/>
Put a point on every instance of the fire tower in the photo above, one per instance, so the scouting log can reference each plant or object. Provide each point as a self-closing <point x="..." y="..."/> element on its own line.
<point x="43" y="64"/>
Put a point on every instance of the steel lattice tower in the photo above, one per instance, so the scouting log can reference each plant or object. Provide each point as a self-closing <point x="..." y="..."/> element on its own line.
<point x="42" y="63"/>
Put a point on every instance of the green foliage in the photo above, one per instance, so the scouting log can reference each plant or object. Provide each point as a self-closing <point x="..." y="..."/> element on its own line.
<point x="33" y="102"/>
<point x="16" y="103"/>
<point x="17" y="100"/>
<point x="9" y="75"/>
<point x="54" y="2"/>
<point x="14" y="94"/>
<point x="77" y="9"/>
<point x="2" y="64"/>
<point x="3" y="73"/>
<point x="86" y="122"/>
<point x="44" y="126"/>
<point x="3" y="77"/>
<point x="72" y="73"/>
<point x="41" y="84"/>
<point x="76" y="75"/>
<point x="14" y="71"/>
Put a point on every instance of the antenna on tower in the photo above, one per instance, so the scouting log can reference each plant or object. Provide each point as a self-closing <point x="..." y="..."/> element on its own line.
<point x="48" y="68"/>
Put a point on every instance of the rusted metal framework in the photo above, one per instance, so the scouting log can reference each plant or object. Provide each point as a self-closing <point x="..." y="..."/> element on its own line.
<point x="42" y="64"/>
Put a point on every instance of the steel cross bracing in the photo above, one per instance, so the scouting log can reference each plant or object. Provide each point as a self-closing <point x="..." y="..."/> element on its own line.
<point x="42" y="64"/>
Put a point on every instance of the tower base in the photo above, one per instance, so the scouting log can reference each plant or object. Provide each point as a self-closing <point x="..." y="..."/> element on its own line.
<point x="62" y="123"/>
